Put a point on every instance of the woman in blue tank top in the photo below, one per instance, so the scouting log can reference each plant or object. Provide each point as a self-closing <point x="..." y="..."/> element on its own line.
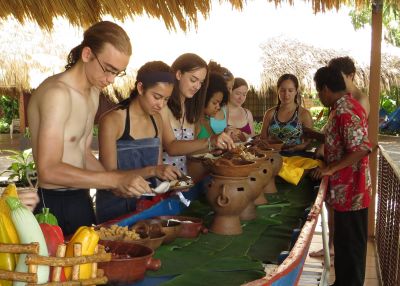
<point x="219" y="122"/>
<point x="285" y="121"/>
<point x="130" y="138"/>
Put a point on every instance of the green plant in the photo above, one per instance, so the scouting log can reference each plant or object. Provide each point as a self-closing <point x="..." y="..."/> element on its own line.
<point x="9" y="107"/>
<point x="4" y="126"/>
<point x="22" y="167"/>
<point x="257" y="127"/>
<point x="319" y="121"/>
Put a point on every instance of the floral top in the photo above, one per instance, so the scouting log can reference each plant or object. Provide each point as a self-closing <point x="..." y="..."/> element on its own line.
<point x="346" y="132"/>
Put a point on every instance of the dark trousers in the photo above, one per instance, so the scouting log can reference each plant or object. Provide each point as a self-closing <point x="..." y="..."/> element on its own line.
<point x="72" y="207"/>
<point x="350" y="244"/>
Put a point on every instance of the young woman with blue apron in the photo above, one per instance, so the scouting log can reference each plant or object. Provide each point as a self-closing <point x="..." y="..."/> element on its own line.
<point x="141" y="154"/>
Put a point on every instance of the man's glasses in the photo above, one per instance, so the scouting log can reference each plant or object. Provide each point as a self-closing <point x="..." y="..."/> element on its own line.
<point x="108" y="72"/>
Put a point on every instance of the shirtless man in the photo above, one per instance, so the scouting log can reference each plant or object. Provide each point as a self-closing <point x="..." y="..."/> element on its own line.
<point x="348" y="69"/>
<point x="61" y="116"/>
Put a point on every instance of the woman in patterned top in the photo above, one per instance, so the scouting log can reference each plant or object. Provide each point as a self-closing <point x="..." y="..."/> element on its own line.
<point x="185" y="108"/>
<point x="285" y="121"/>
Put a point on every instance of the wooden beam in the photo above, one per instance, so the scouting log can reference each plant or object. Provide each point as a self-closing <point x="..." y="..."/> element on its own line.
<point x="22" y="112"/>
<point x="374" y="88"/>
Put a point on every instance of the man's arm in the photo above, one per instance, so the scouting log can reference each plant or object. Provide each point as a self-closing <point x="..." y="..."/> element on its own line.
<point x="54" y="110"/>
<point x="92" y="163"/>
<point x="348" y="160"/>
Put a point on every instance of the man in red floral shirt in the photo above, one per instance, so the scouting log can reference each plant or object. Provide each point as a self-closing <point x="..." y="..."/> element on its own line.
<point x="346" y="157"/>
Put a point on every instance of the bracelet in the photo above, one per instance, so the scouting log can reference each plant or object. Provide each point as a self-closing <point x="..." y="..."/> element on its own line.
<point x="209" y="143"/>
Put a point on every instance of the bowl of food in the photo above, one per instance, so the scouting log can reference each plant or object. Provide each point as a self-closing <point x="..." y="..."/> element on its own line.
<point x="129" y="261"/>
<point x="191" y="226"/>
<point x="154" y="233"/>
<point x="170" y="228"/>
<point x="120" y="233"/>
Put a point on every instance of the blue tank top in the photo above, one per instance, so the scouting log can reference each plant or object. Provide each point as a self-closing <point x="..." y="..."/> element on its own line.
<point x="219" y="125"/>
<point x="289" y="132"/>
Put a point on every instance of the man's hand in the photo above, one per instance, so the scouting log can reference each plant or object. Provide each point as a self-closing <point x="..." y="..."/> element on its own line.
<point x="29" y="198"/>
<point x="318" y="172"/>
<point x="132" y="186"/>
<point x="167" y="172"/>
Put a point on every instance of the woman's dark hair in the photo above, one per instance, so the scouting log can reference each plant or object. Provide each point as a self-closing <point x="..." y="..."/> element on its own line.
<point x="96" y="36"/>
<point x="239" y="82"/>
<point x="331" y="78"/>
<point x="343" y="64"/>
<point x="149" y="75"/>
<point x="217" y="68"/>
<point x="193" y="106"/>
<point x="293" y="78"/>
<point x="216" y="83"/>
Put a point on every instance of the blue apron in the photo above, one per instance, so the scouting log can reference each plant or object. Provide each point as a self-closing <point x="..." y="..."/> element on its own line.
<point x="131" y="154"/>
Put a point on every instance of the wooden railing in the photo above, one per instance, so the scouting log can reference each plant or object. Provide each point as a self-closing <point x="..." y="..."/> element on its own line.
<point x="388" y="220"/>
<point x="289" y="272"/>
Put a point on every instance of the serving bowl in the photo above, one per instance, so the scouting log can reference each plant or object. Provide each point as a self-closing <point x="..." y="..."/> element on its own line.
<point x="191" y="226"/>
<point x="129" y="262"/>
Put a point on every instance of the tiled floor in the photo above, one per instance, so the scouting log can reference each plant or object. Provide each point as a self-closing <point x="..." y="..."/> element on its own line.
<point x="371" y="276"/>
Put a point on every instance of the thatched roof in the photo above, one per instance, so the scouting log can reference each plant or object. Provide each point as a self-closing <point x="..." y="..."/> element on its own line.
<point x="282" y="55"/>
<point x="181" y="13"/>
<point x="83" y="13"/>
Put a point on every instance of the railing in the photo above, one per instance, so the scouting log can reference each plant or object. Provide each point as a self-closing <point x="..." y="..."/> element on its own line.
<point x="388" y="220"/>
<point x="289" y="272"/>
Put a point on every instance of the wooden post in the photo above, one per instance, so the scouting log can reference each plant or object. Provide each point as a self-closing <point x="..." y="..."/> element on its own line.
<point x="21" y="110"/>
<point x="374" y="89"/>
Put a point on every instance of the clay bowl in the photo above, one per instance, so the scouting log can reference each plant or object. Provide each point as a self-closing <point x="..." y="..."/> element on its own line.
<point x="153" y="234"/>
<point x="170" y="228"/>
<point x="233" y="168"/>
<point x="191" y="226"/>
<point x="156" y="236"/>
<point x="130" y="262"/>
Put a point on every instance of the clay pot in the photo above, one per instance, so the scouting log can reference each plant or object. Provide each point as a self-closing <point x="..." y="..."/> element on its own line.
<point x="257" y="180"/>
<point x="196" y="169"/>
<point x="228" y="196"/>
<point x="232" y="168"/>
<point x="127" y="270"/>
<point x="170" y="228"/>
<point x="276" y="163"/>
<point x="191" y="226"/>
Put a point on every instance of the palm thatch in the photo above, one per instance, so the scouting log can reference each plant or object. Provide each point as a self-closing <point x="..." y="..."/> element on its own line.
<point x="83" y="13"/>
<point x="281" y="55"/>
<point x="182" y="13"/>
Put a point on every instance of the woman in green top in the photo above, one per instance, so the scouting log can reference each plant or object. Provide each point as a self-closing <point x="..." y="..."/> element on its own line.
<point x="217" y="96"/>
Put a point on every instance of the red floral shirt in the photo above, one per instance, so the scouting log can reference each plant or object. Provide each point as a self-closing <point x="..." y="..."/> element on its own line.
<point x="346" y="132"/>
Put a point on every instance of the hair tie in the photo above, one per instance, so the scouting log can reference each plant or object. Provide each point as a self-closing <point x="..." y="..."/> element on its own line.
<point x="153" y="77"/>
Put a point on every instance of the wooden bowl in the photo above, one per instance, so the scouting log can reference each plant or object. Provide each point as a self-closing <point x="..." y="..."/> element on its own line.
<point x="131" y="262"/>
<point x="171" y="229"/>
<point x="191" y="226"/>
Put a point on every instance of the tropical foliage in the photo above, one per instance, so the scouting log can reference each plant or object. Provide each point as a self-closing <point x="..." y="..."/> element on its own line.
<point x="390" y="18"/>
<point x="8" y="111"/>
